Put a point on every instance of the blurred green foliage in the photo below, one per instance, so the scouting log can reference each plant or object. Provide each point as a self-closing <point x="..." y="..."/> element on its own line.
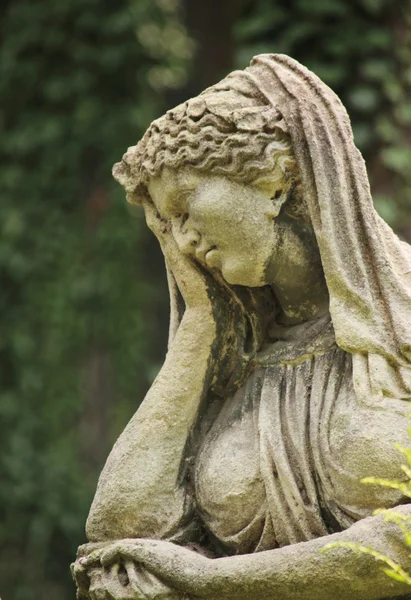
<point x="83" y="304"/>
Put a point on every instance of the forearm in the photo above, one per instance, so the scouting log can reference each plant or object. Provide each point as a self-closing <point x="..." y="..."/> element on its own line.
<point x="138" y="494"/>
<point x="302" y="571"/>
<point x="297" y="572"/>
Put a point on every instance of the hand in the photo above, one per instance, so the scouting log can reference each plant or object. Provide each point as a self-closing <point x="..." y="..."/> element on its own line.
<point x="176" y="566"/>
<point x="209" y="294"/>
<point x="193" y="281"/>
<point x="119" y="580"/>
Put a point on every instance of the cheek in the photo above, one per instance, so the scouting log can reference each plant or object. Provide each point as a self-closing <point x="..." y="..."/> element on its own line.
<point x="253" y="245"/>
<point x="246" y="259"/>
<point x="213" y="227"/>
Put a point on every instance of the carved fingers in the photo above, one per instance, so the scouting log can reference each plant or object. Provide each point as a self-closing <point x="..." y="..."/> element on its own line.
<point x="120" y="581"/>
<point x="171" y="563"/>
<point x="126" y="550"/>
<point x="109" y="575"/>
<point x="160" y="227"/>
<point x="192" y="280"/>
<point x="86" y="549"/>
<point x="81" y="577"/>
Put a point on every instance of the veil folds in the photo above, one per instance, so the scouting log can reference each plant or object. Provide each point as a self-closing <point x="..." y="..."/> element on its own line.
<point x="367" y="268"/>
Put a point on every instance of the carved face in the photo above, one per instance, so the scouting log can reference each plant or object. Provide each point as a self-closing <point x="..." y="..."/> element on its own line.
<point x="221" y="223"/>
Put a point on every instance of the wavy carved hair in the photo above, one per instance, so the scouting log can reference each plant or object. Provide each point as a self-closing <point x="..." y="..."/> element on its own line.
<point x="213" y="134"/>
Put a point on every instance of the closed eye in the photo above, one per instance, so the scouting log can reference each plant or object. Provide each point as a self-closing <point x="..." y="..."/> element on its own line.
<point x="182" y="217"/>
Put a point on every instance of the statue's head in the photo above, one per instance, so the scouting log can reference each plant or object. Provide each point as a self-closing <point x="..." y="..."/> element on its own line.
<point x="219" y="167"/>
<point x="228" y="168"/>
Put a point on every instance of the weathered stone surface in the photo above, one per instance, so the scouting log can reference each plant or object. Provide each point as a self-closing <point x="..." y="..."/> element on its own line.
<point x="288" y="367"/>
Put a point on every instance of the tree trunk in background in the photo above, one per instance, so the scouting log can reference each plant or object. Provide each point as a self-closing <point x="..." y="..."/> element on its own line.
<point x="210" y="25"/>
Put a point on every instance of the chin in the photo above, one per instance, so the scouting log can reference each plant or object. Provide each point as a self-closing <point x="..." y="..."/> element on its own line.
<point x="238" y="276"/>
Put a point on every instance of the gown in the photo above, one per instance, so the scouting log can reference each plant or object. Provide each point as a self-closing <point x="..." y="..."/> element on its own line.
<point x="284" y="459"/>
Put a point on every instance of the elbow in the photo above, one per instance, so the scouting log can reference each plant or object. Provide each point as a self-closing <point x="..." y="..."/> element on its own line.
<point x="116" y="515"/>
<point x="109" y="519"/>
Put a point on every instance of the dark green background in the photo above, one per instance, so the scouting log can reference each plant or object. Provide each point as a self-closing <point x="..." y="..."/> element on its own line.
<point x="83" y="302"/>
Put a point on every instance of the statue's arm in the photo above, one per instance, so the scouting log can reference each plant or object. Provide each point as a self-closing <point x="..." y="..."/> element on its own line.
<point x="303" y="571"/>
<point x="297" y="572"/>
<point x="140" y="492"/>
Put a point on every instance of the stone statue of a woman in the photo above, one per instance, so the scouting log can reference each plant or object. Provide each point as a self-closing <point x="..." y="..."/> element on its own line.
<point x="288" y="365"/>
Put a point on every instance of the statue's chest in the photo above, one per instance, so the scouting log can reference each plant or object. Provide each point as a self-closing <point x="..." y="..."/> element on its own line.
<point x="266" y="474"/>
<point x="229" y="488"/>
